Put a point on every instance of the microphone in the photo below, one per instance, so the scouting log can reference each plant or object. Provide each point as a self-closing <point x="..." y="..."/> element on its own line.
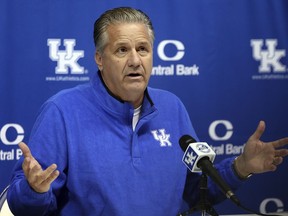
<point x="198" y="157"/>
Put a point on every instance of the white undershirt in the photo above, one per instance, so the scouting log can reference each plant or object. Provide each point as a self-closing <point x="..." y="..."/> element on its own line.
<point x="136" y="116"/>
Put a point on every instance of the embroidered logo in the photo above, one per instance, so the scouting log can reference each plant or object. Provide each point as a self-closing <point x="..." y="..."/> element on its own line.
<point x="161" y="136"/>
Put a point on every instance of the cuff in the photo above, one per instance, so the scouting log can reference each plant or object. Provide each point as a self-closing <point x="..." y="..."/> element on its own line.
<point x="31" y="196"/>
<point x="237" y="174"/>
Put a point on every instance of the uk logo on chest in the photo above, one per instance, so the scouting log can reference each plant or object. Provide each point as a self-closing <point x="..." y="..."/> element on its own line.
<point x="162" y="137"/>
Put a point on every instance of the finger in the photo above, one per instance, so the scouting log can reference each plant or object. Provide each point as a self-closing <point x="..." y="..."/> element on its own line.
<point x="50" y="170"/>
<point x="281" y="153"/>
<point x="30" y="165"/>
<point x="259" y="131"/>
<point x="45" y="185"/>
<point x="40" y="176"/>
<point x="35" y="175"/>
<point x="280" y="142"/>
<point x="51" y="177"/>
<point x="271" y="166"/>
<point x="277" y="160"/>
<point x="25" y="149"/>
<point x="26" y="165"/>
<point x="29" y="162"/>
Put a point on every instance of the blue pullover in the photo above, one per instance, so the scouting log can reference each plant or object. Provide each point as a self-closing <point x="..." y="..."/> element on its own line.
<point x="106" y="167"/>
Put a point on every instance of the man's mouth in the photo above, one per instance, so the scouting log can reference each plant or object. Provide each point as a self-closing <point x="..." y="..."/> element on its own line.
<point x="134" y="74"/>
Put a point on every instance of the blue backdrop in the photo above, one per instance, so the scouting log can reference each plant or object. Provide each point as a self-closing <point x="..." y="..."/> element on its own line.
<point x="225" y="59"/>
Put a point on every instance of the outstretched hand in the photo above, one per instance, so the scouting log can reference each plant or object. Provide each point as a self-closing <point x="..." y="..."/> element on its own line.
<point x="39" y="179"/>
<point x="259" y="156"/>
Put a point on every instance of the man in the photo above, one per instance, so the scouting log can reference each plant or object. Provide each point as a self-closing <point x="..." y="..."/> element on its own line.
<point x="110" y="147"/>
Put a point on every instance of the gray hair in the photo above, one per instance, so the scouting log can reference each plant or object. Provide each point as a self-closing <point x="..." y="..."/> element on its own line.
<point x="116" y="16"/>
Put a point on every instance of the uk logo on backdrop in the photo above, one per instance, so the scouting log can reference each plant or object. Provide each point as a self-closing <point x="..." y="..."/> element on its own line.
<point x="271" y="59"/>
<point x="67" y="59"/>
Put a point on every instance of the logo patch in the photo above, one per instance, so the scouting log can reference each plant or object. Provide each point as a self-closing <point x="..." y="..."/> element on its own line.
<point x="161" y="136"/>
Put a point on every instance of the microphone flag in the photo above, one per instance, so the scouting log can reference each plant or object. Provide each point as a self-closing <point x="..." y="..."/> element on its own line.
<point x="195" y="152"/>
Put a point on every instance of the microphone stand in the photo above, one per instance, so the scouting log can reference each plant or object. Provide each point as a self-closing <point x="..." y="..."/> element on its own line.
<point x="204" y="206"/>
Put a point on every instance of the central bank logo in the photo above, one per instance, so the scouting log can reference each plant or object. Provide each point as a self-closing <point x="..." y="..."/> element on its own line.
<point x="269" y="57"/>
<point x="227" y="128"/>
<point x="11" y="135"/>
<point x="171" y="52"/>
<point x="17" y="132"/>
<point x="67" y="59"/>
<point x="221" y="132"/>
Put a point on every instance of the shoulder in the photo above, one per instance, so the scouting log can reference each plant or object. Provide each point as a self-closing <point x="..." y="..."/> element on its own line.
<point x="68" y="99"/>
<point x="154" y="92"/>
<point x="166" y="100"/>
<point x="160" y="95"/>
<point x="71" y="95"/>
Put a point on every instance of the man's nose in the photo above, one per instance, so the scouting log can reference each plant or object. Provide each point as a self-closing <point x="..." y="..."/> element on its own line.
<point x="134" y="59"/>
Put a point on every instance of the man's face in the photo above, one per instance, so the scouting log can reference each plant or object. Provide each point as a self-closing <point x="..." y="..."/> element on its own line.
<point x="126" y="62"/>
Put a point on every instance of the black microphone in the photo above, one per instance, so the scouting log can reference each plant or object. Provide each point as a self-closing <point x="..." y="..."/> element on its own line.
<point x="198" y="155"/>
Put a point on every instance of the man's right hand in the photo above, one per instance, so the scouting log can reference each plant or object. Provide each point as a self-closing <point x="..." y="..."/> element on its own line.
<point x="38" y="179"/>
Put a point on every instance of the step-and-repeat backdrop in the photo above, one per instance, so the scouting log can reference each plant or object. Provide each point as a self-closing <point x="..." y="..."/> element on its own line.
<point x="227" y="61"/>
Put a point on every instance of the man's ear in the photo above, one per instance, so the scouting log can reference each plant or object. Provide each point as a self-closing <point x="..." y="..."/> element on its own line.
<point x="98" y="60"/>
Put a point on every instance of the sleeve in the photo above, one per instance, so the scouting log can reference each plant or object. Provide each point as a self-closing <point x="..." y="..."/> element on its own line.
<point x="225" y="170"/>
<point x="48" y="145"/>
<point x="214" y="193"/>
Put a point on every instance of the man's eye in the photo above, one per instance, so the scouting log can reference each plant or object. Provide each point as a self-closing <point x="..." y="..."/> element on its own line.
<point x="122" y="50"/>
<point x="142" y="50"/>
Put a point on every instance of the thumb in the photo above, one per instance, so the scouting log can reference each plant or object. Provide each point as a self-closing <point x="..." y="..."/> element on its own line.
<point x="259" y="131"/>
<point x="25" y="150"/>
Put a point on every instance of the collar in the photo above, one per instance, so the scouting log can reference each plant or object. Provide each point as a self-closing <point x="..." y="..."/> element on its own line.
<point x="115" y="105"/>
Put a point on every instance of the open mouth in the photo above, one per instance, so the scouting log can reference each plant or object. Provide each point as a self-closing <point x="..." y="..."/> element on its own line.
<point x="134" y="74"/>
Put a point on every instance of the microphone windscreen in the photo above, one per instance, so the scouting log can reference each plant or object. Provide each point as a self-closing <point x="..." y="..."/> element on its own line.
<point x="185" y="140"/>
